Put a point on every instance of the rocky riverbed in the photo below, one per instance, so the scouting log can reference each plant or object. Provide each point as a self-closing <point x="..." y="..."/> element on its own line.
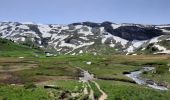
<point x="136" y="76"/>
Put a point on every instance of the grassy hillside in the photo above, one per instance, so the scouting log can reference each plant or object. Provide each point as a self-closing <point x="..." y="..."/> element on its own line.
<point x="9" y="49"/>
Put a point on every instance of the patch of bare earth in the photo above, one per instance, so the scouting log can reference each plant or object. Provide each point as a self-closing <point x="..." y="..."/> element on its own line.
<point x="45" y="80"/>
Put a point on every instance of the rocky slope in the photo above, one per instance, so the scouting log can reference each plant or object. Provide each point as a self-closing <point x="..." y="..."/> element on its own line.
<point x="89" y="37"/>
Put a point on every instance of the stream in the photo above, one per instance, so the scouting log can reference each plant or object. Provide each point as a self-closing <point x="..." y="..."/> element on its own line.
<point x="139" y="80"/>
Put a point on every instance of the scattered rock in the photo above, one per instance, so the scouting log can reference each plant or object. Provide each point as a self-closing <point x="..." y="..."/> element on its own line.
<point x="21" y="57"/>
<point x="64" y="95"/>
<point x="126" y="72"/>
<point x="51" y="86"/>
<point x="88" y="63"/>
<point x="151" y="82"/>
<point x="162" y="84"/>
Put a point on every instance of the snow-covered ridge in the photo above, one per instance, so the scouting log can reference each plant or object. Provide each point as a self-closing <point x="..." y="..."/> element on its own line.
<point x="69" y="39"/>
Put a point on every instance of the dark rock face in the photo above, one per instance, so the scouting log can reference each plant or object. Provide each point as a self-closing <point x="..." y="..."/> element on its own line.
<point x="129" y="32"/>
<point x="136" y="33"/>
<point x="132" y="32"/>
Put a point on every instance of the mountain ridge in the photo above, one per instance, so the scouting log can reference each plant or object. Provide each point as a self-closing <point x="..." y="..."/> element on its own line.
<point x="88" y="37"/>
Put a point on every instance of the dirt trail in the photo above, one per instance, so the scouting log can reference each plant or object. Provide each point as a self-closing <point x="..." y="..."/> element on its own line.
<point x="91" y="95"/>
<point x="104" y="95"/>
<point x="89" y="77"/>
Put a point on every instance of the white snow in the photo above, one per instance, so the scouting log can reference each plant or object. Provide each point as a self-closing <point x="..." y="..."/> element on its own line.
<point x="28" y="33"/>
<point x="84" y="38"/>
<point x="58" y="38"/>
<point x="63" y="44"/>
<point x="115" y="26"/>
<point x="137" y="43"/>
<point x="166" y="31"/>
<point x="59" y="49"/>
<point x="82" y="45"/>
<point x="49" y="54"/>
<point x="73" y="54"/>
<point x="81" y="51"/>
<point x="155" y="39"/>
<point x="122" y="41"/>
<point x="130" y="49"/>
<point x="163" y="26"/>
<point x="102" y="29"/>
<point x="168" y="39"/>
<point x="64" y="27"/>
<point x="163" y="52"/>
<point x="44" y="29"/>
<point x="85" y="44"/>
<point x="112" y="45"/>
<point x="22" y="39"/>
<point x="23" y="27"/>
<point x="78" y="26"/>
<point x="3" y="27"/>
<point x="143" y="49"/>
<point x="160" y="47"/>
<point x="117" y="39"/>
<point x="86" y="33"/>
<point x="94" y="53"/>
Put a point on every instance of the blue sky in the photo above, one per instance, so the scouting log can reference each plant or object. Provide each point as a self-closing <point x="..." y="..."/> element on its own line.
<point x="69" y="11"/>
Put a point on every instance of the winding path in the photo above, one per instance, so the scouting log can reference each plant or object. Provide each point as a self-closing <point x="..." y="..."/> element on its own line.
<point x="104" y="95"/>
<point x="90" y="77"/>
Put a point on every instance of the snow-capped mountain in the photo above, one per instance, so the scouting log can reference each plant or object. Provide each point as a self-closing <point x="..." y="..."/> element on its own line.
<point x="88" y="37"/>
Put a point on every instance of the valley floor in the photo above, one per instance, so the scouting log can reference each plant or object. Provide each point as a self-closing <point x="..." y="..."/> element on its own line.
<point x="84" y="77"/>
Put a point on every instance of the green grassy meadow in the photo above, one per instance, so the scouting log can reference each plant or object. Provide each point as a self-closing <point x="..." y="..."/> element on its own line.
<point x="25" y="78"/>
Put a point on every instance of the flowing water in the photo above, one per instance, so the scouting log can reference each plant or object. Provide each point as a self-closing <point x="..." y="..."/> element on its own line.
<point x="139" y="80"/>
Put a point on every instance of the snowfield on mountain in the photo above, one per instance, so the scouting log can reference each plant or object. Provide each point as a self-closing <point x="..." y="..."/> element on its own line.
<point x="89" y="37"/>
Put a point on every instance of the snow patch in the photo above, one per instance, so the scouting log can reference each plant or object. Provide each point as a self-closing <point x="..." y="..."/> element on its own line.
<point x="166" y="31"/>
<point x="23" y="27"/>
<point x="112" y="45"/>
<point x="163" y="52"/>
<point x="160" y="47"/>
<point x="81" y="51"/>
<point x="44" y="29"/>
<point x="73" y="54"/>
<point x="84" y="38"/>
<point x="117" y="39"/>
<point x="115" y="26"/>
<point x="78" y="26"/>
<point x="130" y="49"/>
<point x="86" y="33"/>
<point x="155" y="39"/>
<point x="137" y="43"/>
